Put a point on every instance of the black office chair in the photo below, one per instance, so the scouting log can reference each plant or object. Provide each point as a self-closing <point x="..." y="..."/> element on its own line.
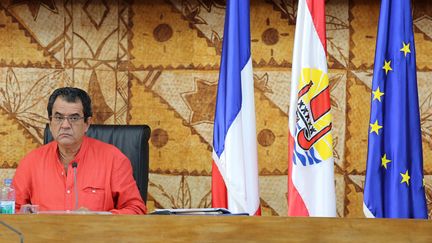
<point x="132" y="140"/>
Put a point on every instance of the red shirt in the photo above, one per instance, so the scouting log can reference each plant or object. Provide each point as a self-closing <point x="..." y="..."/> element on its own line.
<point x="104" y="180"/>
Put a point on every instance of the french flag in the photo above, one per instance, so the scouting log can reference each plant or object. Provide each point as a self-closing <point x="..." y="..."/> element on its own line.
<point x="235" y="163"/>
<point x="311" y="187"/>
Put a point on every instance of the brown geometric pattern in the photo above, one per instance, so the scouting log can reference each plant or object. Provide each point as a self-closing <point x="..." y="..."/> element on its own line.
<point x="156" y="62"/>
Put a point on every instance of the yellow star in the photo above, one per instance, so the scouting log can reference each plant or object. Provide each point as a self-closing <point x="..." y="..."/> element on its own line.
<point x="405" y="178"/>
<point x="375" y="127"/>
<point x="377" y="94"/>
<point x="387" y="66"/>
<point x="405" y="48"/>
<point x="385" y="161"/>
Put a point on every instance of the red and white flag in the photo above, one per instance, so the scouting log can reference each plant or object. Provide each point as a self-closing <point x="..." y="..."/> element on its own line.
<point x="311" y="188"/>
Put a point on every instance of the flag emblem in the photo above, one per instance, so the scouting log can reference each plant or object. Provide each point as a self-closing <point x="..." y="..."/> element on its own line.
<point x="313" y="118"/>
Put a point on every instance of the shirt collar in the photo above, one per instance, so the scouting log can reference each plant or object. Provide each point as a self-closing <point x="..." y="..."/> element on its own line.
<point x="81" y="153"/>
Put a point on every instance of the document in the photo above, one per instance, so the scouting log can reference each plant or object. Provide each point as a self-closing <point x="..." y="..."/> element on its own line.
<point x="194" y="211"/>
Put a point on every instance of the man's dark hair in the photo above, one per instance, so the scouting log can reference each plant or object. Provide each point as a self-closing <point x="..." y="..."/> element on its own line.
<point x="71" y="95"/>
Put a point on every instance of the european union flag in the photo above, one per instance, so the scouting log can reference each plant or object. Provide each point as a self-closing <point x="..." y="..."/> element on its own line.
<point x="394" y="184"/>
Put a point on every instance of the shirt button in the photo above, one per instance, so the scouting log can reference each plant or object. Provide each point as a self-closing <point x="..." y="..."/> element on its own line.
<point x="62" y="173"/>
<point x="68" y="191"/>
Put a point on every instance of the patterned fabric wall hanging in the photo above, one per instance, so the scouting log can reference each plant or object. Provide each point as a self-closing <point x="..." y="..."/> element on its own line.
<point x="156" y="62"/>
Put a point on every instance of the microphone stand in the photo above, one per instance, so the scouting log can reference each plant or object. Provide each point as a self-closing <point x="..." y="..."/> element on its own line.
<point x="74" y="166"/>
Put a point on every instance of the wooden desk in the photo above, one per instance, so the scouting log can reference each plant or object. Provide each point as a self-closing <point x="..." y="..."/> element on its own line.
<point x="151" y="228"/>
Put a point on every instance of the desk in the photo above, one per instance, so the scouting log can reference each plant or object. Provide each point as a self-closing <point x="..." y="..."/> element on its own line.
<point x="152" y="228"/>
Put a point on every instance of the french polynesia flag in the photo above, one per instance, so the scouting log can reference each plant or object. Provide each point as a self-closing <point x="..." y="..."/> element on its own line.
<point x="235" y="163"/>
<point x="311" y="188"/>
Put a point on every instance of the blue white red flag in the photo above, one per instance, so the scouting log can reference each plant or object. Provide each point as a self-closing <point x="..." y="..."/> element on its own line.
<point x="394" y="184"/>
<point x="311" y="187"/>
<point x="235" y="163"/>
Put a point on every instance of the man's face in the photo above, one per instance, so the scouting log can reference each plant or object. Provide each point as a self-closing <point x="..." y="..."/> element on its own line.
<point x="67" y="122"/>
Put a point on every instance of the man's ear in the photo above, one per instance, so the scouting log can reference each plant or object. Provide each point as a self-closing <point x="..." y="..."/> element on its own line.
<point x="50" y="127"/>
<point x="88" y="123"/>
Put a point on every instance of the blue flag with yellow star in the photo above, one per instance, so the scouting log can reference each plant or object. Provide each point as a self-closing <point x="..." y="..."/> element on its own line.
<point x="394" y="185"/>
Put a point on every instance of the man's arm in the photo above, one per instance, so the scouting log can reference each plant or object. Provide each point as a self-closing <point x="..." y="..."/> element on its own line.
<point x="127" y="197"/>
<point x="22" y="184"/>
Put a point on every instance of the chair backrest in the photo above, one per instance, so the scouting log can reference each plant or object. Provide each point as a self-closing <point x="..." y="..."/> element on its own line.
<point x="132" y="140"/>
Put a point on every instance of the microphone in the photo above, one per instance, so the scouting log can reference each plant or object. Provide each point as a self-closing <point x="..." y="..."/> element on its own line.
<point x="74" y="166"/>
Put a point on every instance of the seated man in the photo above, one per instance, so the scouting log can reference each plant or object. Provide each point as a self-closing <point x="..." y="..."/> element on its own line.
<point x="75" y="171"/>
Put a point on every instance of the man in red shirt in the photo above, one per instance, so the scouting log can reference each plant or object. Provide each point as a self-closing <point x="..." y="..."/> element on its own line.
<point x="75" y="171"/>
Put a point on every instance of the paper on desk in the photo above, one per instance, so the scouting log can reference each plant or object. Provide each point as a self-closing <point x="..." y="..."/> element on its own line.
<point x="192" y="211"/>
